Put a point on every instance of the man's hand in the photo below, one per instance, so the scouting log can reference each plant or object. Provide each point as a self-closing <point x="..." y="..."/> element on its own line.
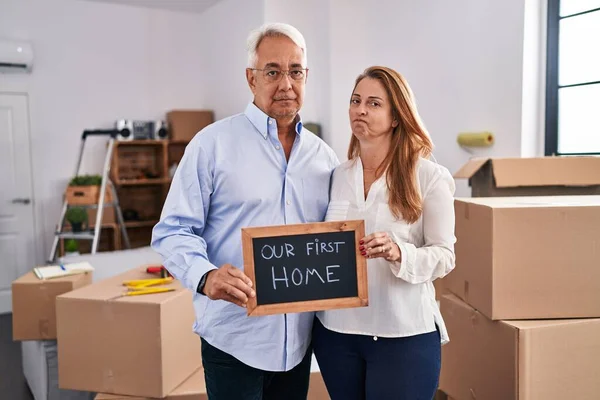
<point x="230" y="284"/>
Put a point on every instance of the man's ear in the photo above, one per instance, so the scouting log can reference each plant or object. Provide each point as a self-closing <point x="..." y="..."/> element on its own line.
<point x="251" y="78"/>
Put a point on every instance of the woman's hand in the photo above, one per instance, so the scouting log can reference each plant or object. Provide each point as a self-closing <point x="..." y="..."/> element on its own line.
<point x="380" y="244"/>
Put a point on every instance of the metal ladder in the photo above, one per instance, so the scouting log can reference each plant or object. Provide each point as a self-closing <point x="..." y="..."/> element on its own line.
<point x="94" y="235"/>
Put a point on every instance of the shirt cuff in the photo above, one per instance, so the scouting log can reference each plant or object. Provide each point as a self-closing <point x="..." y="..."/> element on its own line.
<point x="408" y="255"/>
<point x="196" y="272"/>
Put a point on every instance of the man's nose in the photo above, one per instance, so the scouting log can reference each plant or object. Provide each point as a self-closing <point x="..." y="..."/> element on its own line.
<point x="285" y="83"/>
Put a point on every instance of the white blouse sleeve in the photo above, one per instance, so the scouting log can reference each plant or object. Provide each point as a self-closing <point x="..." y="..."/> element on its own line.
<point x="436" y="258"/>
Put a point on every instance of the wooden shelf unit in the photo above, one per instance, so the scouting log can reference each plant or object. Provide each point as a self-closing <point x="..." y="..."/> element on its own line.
<point x="140" y="172"/>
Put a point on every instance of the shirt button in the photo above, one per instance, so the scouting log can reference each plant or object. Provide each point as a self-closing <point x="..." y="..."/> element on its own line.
<point x="288" y="202"/>
<point x="375" y="338"/>
<point x="277" y="147"/>
<point x="270" y="122"/>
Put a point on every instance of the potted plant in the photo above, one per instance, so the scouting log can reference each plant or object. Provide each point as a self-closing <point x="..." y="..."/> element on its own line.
<point x="71" y="247"/>
<point x="76" y="217"/>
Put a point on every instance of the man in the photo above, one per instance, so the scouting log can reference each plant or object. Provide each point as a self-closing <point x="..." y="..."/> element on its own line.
<point x="258" y="168"/>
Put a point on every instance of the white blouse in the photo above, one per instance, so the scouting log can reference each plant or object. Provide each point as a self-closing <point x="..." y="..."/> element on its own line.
<point x="401" y="294"/>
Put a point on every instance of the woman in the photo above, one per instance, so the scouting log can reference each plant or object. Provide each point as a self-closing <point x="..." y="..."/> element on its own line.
<point x="390" y="349"/>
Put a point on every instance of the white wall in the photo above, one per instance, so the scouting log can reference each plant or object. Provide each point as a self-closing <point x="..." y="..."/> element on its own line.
<point x="95" y="63"/>
<point x="225" y="27"/>
<point x="462" y="58"/>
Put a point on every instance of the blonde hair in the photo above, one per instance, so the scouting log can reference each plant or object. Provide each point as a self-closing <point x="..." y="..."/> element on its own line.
<point x="410" y="141"/>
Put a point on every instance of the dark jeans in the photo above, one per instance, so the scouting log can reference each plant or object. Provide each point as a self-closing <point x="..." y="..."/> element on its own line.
<point x="227" y="378"/>
<point x="357" y="367"/>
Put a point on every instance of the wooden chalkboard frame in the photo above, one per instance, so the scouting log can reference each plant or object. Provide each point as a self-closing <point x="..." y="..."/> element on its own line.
<point x="356" y="226"/>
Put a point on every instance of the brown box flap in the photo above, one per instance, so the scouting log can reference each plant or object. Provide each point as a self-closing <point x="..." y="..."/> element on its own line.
<point x="469" y="169"/>
<point x="546" y="171"/>
<point x="537" y="171"/>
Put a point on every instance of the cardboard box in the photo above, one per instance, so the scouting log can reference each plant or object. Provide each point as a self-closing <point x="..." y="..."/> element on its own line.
<point x="543" y="176"/>
<point x="520" y="360"/>
<point x="195" y="389"/>
<point x="34" y="304"/>
<point x="132" y="345"/>
<point x="184" y="124"/>
<point x="316" y="388"/>
<point x="439" y="287"/>
<point x="528" y="257"/>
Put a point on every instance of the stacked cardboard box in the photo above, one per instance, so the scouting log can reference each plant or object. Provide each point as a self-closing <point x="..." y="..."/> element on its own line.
<point x="524" y="265"/>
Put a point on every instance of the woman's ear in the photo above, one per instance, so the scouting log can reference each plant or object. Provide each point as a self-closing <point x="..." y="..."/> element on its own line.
<point x="394" y="122"/>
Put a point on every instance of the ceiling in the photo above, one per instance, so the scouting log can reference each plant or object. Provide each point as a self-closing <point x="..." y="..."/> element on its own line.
<point x="190" y="6"/>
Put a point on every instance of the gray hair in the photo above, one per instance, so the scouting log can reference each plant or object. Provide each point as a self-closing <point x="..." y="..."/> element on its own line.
<point x="273" y="30"/>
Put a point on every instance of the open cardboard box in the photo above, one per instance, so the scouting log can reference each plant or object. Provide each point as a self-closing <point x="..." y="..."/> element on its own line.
<point x="542" y="176"/>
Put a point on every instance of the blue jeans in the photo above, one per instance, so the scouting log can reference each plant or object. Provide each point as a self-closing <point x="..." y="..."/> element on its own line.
<point x="227" y="378"/>
<point x="357" y="367"/>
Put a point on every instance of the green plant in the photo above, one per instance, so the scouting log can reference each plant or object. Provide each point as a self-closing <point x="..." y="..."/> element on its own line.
<point x="71" y="246"/>
<point x="76" y="215"/>
<point x="86" y="180"/>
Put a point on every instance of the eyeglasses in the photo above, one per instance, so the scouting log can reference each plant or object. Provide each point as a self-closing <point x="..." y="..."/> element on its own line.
<point x="273" y="75"/>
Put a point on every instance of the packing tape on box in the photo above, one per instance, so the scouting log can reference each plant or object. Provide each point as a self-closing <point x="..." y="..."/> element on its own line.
<point x="43" y="326"/>
<point x="108" y="380"/>
<point x="475" y="139"/>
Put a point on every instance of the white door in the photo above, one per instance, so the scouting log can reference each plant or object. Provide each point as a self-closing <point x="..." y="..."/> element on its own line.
<point x="17" y="239"/>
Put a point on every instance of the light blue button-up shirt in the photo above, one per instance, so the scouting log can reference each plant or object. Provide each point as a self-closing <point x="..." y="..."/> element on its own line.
<point x="234" y="174"/>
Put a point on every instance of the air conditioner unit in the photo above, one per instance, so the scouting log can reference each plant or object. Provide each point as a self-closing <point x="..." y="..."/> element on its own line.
<point x="15" y="56"/>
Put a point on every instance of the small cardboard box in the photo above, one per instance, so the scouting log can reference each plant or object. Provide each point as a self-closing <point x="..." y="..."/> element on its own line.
<point x="34" y="304"/>
<point x="518" y="360"/>
<point x="193" y="388"/>
<point x="86" y="195"/>
<point x="528" y="257"/>
<point x="184" y="124"/>
<point x="133" y="345"/>
<point x="543" y="176"/>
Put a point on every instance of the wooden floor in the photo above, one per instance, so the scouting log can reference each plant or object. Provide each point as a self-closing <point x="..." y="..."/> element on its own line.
<point x="12" y="381"/>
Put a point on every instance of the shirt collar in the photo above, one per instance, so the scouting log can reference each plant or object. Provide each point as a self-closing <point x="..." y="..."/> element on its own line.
<point x="262" y="121"/>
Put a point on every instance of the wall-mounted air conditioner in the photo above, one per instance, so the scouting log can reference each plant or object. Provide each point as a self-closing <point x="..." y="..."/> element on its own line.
<point x="15" y="56"/>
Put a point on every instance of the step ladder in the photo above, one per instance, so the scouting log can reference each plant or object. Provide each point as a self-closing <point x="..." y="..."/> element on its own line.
<point x="93" y="235"/>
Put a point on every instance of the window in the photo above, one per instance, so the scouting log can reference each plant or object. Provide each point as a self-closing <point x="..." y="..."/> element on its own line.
<point x="573" y="78"/>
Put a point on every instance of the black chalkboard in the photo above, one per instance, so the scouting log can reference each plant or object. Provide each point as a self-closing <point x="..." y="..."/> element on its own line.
<point x="305" y="267"/>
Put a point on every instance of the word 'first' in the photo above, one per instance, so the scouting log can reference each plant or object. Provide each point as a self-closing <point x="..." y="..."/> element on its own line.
<point x="312" y="248"/>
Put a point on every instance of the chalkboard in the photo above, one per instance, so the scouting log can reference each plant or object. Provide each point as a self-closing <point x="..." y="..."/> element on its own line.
<point x="305" y="267"/>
